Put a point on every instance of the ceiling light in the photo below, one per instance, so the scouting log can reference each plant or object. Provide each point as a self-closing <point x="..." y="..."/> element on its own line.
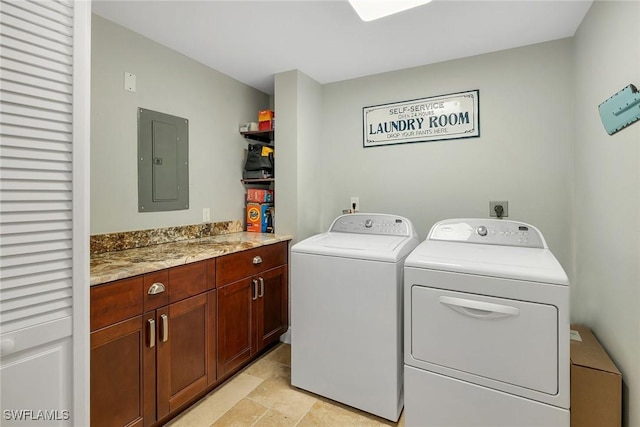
<point x="369" y="10"/>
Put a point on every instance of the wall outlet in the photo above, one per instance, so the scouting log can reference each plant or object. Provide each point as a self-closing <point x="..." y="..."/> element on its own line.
<point x="206" y="215"/>
<point x="495" y="208"/>
<point x="354" y="206"/>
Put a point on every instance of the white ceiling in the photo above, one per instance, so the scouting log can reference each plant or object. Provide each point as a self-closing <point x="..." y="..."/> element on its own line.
<point x="253" y="40"/>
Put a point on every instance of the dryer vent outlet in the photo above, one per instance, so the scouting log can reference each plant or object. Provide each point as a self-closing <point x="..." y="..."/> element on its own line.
<point x="499" y="209"/>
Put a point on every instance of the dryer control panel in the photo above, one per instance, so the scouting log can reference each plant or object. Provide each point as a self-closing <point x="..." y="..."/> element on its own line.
<point x="489" y="232"/>
<point x="379" y="224"/>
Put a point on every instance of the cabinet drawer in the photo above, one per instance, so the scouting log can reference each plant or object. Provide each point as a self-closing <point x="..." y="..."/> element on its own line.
<point x="187" y="280"/>
<point x="161" y="280"/>
<point x="115" y="301"/>
<point x="233" y="267"/>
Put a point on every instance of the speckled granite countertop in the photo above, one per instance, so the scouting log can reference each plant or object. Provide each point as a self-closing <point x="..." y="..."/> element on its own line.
<point x="110" y="266"/>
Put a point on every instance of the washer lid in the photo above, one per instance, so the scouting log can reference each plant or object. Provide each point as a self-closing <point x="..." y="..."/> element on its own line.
<point x="530" y="264"/>
<point x="360" y="246"/>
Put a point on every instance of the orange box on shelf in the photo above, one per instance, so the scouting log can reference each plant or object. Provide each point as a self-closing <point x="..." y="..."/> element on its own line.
<point x="258" y="217"/>
<point x="265" y="115"/>
<point x="253" y="217"/>
<point x="265" y="119"/>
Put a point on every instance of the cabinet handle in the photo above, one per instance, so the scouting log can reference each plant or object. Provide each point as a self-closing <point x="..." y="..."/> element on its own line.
<point x="261" y="294"/>
<point x="257" y="260"/>
<point x="151" y="333"/>
<point x="165" y="327"/>
<point x="254" y="282"/>
<point x="156" y="288"/>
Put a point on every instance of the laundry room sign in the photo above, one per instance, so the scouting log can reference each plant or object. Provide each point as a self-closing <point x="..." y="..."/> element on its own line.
<point x="436" y="118"/>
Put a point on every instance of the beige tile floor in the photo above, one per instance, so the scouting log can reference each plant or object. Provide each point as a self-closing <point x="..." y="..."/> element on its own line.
<point x="261" y="395"/>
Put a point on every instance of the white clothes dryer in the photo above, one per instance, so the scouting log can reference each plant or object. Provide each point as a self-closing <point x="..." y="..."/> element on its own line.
<point x="346" y="312"/>
<point x="486" y="328"/>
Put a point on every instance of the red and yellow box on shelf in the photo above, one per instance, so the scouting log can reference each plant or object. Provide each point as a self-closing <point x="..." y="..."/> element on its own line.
<point x="265" y="119"/>
<point x="259" y="196"/>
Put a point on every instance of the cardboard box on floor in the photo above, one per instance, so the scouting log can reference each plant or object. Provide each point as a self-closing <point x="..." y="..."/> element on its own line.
<point x="596" y="383"/>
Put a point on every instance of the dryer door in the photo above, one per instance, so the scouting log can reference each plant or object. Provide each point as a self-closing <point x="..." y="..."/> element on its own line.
<point x="511" y="341"/>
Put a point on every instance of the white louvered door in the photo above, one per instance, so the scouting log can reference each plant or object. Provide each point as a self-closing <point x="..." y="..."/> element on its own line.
<point x="43" y="259"/>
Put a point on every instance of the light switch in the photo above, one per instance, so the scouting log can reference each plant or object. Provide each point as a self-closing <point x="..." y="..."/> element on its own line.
<point x="129" y="82"/>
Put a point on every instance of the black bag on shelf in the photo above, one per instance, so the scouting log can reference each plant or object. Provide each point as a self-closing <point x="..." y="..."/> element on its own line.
<point x="259" y="157"/>
<point x="260" y="174"/>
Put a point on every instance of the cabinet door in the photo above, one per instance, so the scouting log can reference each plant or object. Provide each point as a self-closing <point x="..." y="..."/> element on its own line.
<point x="271" y="306"/>
<point x="183" y="334"/>
<point x="120" y="375"/>
<point x="235" y="346"/>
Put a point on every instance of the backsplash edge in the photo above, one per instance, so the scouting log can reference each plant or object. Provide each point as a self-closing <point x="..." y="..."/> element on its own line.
<point x="118" y="241"/>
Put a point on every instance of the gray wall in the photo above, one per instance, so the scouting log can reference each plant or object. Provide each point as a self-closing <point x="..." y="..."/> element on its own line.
<point x="524" y="153"/>
<point x="286" y="186"/>
<point x="298" y="103"/>
<point x="171" y="83"/>
<point x="607" y="192"/>
<point x="310" y="151"/>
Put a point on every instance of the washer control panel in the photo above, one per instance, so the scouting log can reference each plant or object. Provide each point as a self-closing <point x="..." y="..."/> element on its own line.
<point x="488" y="231"/>
<point x="379" y="224"/>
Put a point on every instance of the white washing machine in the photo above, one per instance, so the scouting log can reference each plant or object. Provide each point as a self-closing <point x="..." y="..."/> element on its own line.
<point x="346" y="312"/>
<point x="486" y="328"/>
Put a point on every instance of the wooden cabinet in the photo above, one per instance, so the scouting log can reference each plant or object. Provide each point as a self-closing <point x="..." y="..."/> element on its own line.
<point x="184" y="336"/>
<point x="182" y="353"/>
<point x="119" y="374"/>
<point x="235" y="345"/>
<point x="161" y="340"/>
<point x="252" y="303"/>
<point x="149" y="365"/>
<point x="122" y="373"/>
<point x="271" y="307"/>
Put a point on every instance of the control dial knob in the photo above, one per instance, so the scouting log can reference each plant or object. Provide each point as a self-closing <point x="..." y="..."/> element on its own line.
<point x="482" y="230"/>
